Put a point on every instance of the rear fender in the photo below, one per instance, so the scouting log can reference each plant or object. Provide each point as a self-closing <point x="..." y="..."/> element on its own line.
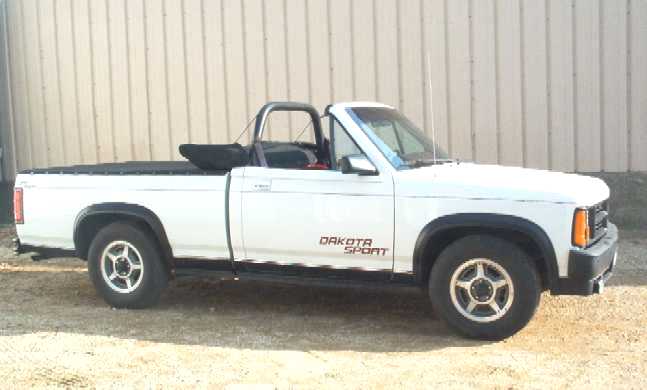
<point x="119" y="211"/>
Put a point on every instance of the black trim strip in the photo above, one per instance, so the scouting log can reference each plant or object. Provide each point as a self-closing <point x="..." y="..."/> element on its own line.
<point x="227" y="219"/>
<point x="434" y="229"/>
<point x="294" y="274"/>
<point x="116" y="208"/>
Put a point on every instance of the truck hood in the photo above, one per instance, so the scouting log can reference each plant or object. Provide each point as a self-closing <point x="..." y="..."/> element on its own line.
<point x="478" y="181"/>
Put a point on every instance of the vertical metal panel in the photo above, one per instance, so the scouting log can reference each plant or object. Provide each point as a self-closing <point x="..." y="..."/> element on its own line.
<point x="34" y="88"/>
<point x="318" y="53"/>
<point x="256" y="54"/>
<point x="176" y="61"/>
<point x="84" y="81"/>
<point x="341" y="51"/>
<point x="411" y="62"/>
<point x="138" y="76"/>
<point x="560" y="48"/>
<point x="50" y="72"/>
<point x="386" y="81"/>
<point x="614" y="87"/>
<point x="510" y="83"/>
<point x="552" y="84"/>
<point x="120" y="79"/>
<point x="435" y="50"/>
<point x="278" y="80"/>
<point x="535" y="83"/>
<point x="637" y="83"/>
<point x="234" y="65"/>
<point x="485" y="79"/>
<point x="297" y="63"/>
<point x="459" y="70"/>
<point x="363" y="27"/>
<point x="157" y="82"/>
<point x="7" y="139"/>
<point x="219" y="131"/>
<point x="103" y="87"/>
<point x="66" y="66"/>
<point x="20" y="100"/>
<point x="195" y="71"/>
<point x="587" y="53"/>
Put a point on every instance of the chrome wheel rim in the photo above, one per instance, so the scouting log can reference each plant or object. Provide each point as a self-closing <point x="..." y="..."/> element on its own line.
<point x="122" y="267"/>
<point x="481" y="290"/>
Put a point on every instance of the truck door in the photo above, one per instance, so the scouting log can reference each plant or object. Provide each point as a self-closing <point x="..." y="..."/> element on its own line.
<point x="319" y="217"/>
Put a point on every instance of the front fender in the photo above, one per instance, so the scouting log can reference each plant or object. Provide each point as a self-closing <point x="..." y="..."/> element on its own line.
<point x="432" y="236"/>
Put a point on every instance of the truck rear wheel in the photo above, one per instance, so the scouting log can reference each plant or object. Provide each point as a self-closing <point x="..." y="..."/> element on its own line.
<point x="125" y="266"/>
<point x="485" y="287"/>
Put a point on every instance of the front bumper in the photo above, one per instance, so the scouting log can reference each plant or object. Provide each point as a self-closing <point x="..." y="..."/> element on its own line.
<point x="590" y="268"/>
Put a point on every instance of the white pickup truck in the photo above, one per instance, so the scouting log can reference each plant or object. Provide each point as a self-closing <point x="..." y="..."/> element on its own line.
<point x="372" y="199"/>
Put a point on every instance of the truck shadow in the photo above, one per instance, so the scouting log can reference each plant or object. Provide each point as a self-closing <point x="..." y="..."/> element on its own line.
<point x="231" y="314"/>
<point x="53" y="297"/>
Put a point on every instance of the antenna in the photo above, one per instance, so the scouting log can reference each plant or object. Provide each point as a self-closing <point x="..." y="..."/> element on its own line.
<point x="431" y="105"/>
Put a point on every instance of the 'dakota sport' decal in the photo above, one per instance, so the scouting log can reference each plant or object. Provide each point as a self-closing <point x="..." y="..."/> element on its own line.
<point x="354" y="246"/>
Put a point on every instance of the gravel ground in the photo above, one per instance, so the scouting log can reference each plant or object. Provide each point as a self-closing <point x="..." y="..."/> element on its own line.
<point x="55" y="332"/>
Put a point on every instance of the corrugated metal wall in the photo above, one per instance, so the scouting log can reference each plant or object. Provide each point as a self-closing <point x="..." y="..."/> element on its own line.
<point x="558" y="84"/>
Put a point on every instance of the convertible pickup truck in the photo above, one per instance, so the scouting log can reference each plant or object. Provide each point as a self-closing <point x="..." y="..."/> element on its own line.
<point x="370" y="199"/>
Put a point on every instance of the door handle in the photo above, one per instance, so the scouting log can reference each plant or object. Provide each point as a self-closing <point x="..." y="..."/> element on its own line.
<point x="262" y="185"/>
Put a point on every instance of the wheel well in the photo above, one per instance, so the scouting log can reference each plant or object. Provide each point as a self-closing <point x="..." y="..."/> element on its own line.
<point x="87" y="229"/>
<point x="434" y="246"/>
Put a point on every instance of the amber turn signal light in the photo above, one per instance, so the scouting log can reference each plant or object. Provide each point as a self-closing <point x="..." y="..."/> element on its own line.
<point x="581" y="233"/>
<point x="18" y="214"/>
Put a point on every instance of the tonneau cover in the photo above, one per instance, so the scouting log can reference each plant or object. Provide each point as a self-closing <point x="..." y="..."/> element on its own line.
<point x="129" y="168"/>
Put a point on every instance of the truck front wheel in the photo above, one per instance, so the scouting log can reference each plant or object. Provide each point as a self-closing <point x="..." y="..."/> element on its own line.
<point x="485" y="287"/>
<point x="125" y="266"/>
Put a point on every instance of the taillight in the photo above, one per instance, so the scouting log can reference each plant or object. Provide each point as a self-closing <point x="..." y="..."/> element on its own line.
<point x="581" y="232"/>
<point x="18" y="211"/>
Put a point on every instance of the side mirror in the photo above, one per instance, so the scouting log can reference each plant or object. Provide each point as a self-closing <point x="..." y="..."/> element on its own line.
<point x="357" y="164"/>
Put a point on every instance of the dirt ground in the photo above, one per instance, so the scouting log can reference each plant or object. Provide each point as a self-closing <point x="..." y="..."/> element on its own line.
<point x="55" y="332"/>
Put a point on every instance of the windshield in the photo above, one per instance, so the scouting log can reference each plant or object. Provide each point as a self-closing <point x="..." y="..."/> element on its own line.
<point x="401" y="142"/>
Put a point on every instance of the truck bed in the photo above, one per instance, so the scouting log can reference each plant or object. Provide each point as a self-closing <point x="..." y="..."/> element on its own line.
<point x="188" y="202"/>
<point x="129" y="168"/>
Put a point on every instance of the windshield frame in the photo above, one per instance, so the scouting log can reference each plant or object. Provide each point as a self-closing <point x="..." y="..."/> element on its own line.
<point x="391" y="156"/>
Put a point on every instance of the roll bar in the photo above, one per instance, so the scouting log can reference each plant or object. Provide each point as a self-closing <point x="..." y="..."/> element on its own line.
<point x="261" y="120"/>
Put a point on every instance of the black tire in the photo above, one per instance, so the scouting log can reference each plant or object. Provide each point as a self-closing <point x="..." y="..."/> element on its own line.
<point x="520" y="269"/>
<point x="154" y="277"/>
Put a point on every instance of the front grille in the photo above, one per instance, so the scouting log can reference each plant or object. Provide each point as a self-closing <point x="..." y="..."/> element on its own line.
<point x="598" y="220"/>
